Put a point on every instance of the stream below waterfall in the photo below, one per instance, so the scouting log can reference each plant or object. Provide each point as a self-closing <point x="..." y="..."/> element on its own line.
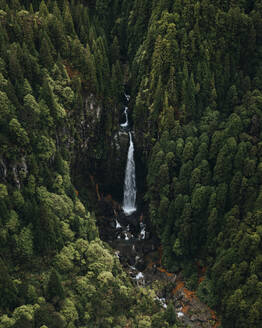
<point x="139" y="251"/>
<point x="131" y="232"/>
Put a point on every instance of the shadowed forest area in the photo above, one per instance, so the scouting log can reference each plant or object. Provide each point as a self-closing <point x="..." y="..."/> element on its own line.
<point x="193" y="70"/>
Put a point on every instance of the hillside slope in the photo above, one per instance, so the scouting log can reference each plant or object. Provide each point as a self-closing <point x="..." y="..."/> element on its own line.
<point x="59" y="88"/>
<point x="197" y="115"/>
<point x="194" y="71"/>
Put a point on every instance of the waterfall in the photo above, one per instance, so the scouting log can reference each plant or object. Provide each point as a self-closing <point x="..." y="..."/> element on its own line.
<point x="124" y="125"/>
<point x="129" y="204"/>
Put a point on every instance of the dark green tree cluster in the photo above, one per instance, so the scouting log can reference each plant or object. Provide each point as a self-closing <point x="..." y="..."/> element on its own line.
<point x="197" y="86"/>
<point x="39" y="92"/>
<point x="60" y="81"/>
<point x="196" y="83"/>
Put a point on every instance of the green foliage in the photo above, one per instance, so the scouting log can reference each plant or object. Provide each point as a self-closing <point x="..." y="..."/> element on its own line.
<point x="3" y="191"/>
<point x="197" y="120"/>
<point x="46" y="315"/>
<point x="18" y="133"/>
<point x="54" y="73"/>
<point x="24" y="243"/>
<point x="210" y="183"/>
<point x="206" y="293"/>
<point x="54" y="286"/>
<point x="9" y="295"/>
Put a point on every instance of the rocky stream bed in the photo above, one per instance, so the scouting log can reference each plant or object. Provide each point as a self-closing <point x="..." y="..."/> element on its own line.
<point x="139" y="252"/>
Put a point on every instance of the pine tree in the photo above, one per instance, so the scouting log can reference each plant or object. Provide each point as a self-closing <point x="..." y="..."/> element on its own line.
<point x="45" y="53"/>
<point x="68" y="20"/>
<point x="43" y="10"/>
<point x="157" y="104"/>
<point x="54" y="286"/>
<point x="9" y="294"/>
<point x="190" y="98"/>
<point x="115" y="50"/>
<point x="172" y="88"/>
<point x="15" y="69"/>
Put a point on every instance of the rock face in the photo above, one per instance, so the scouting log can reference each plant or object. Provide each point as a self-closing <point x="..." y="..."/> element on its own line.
<point x="104" y="146"/>
<point x="15" y="172"/>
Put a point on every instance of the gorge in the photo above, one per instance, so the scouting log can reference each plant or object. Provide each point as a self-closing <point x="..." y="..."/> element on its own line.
<point x="130" y="146"/>
<point x="139" y="252"/>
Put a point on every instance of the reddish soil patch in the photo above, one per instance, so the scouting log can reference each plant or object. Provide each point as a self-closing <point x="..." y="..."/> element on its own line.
<point x="190" y="295"/>
<point x="180" y="287"/>
<point x="164" y="271"/>
<point x="71" y="71"/>
<point x="180" y="284"/>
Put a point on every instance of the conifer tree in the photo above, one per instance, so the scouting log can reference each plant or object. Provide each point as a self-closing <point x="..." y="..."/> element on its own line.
<point x="45" y="53"/>
<point x="54" y="286"/>
<point x="68" y="21"/>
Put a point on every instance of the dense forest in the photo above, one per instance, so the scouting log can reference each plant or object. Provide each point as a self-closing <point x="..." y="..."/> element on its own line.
<point x="57" y="63"/>
<point x="194" y="72"/>
<point x="197" y="115"/>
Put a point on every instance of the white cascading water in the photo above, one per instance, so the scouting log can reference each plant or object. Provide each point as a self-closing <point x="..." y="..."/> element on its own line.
<point x="124" y="125"/>
<point x="129" y="204"/>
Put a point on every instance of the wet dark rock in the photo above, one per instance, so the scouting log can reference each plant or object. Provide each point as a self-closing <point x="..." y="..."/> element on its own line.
<point x="148" y="247"/>
<point x="131" y="261"/>
<point x="137" y="254"/>
<point x="105" y="208"/>
<point x="122" y="219"/>
<point x="140" y="265"/>
<point x="112" y="224"/>
<point x="132" y="221"/>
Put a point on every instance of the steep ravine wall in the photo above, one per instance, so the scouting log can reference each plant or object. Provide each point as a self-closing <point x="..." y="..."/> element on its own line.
<point x="101" y="149"/>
